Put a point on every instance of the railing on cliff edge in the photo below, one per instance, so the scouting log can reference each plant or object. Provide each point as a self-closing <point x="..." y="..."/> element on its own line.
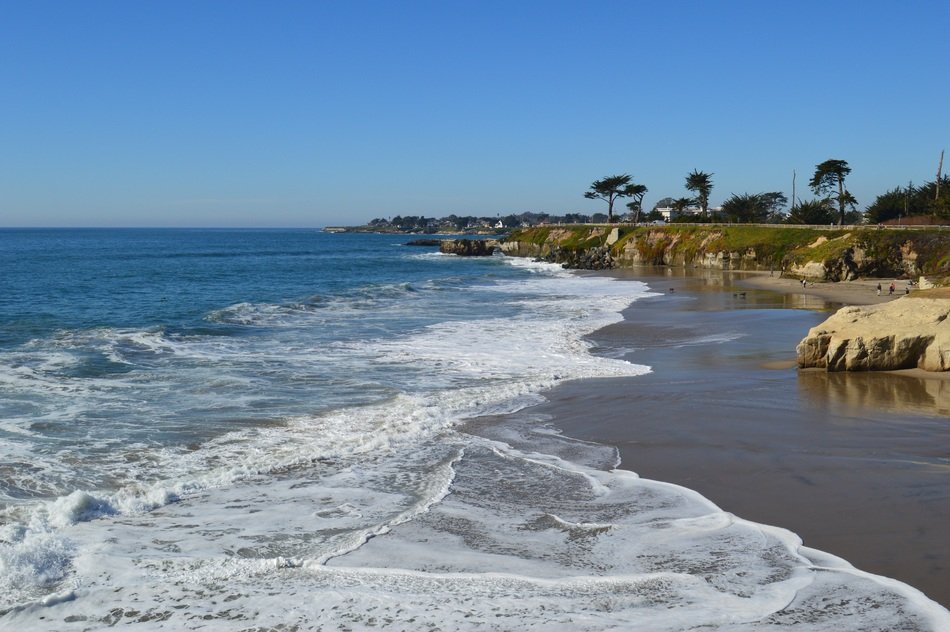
<point x="812" y="226"/>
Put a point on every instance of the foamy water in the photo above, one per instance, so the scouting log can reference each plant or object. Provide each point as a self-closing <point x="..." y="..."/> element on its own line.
<point x="307" y="463"/>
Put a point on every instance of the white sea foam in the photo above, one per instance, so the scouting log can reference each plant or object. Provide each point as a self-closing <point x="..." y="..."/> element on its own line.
<point x="466" y="534"/>
<point x="429" y="255"/>
<point x="381" y="512"/>
<point x="719" y="338"/>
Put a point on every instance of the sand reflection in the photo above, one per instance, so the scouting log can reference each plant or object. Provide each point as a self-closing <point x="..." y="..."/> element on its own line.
<point x="903" y="392"/>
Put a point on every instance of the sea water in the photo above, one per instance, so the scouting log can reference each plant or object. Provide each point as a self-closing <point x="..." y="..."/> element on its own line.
<point x="271" y="430"/>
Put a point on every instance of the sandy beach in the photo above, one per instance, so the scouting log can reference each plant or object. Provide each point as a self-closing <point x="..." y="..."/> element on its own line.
<point x="855" y="464"/>
<point x="857" y="292"/>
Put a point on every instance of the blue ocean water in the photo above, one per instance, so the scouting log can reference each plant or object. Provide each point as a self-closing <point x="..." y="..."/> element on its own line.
<point x="197" y="424"/>
<point x="155" y="310"/>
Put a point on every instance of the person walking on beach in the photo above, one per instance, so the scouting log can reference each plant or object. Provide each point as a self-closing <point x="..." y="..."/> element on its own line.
<point x="878" y="289"/>
<point x="891" y="290"/>
<point x="804" y="284"/>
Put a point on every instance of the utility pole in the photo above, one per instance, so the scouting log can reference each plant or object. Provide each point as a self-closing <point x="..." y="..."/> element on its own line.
<point x="939" y="169"/>
<point x="793" y="189"/>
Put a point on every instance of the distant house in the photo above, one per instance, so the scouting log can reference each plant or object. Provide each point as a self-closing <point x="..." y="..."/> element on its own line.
<point x="669" y="213"/>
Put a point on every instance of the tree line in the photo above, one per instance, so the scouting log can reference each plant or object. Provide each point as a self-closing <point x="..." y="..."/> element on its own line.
<point x="463" y="223"/>
<point x="833" y="204"/>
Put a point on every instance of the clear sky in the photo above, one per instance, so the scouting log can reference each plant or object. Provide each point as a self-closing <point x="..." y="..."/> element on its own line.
<point x="235" y="113"/>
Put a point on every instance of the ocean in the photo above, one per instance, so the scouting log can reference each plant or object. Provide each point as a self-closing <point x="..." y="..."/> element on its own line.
<point x="296" y="430"/>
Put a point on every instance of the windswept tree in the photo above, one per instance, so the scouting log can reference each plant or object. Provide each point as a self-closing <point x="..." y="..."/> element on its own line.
<point x="829" y="177"/>
<point x="681" y="204"/>
<point x="898" y="202"/>
<point x="637" y="204"/>
<point x="935" y="197"/>
<point x="910" y="201"/>
<point x="775" y="203"/>
<point x="610" y="189"/>
<point x="748" y="207"/>
<point x="700" y="183"/>
<point x="811" y="212"/>
<point x="851" y="215"/>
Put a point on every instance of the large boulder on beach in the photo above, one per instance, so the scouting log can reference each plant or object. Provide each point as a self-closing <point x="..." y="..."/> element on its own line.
<point x="910" y="332"/>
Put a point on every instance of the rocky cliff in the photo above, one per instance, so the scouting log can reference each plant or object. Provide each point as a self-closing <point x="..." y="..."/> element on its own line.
<point x="819" y="254"/>
<point x="468" y="247"/>
<point x="911" y="332"/>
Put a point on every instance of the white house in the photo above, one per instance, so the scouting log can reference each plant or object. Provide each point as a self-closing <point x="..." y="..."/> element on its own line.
<point x="668" y="212"/>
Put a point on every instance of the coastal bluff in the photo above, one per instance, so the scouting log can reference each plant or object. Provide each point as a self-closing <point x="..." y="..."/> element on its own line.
<point x="910" y="332"/>
<point x="802" y="252"/>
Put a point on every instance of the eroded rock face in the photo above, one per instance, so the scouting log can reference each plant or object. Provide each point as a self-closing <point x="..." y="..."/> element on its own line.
<point x="468" y="247"/>
<point x="903" y="334"/>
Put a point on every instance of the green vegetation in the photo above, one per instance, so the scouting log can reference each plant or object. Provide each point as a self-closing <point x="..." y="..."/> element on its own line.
<point x="815" y="212"/>
<point x="701" y="184"/>
<point x="830" y="175"/>
<point x="612" y="188"/>
<point x="757" y="208"/>
<point x="922" y="205"/>
<point x="837" y="245"/>
<point x="636" y="206"/>
<point x="931" y="246"/>
<point x="576" y="237"/>
<point x="910" y="201"/>
<point x="470" y="223"/>
<point x="869" y="251"/>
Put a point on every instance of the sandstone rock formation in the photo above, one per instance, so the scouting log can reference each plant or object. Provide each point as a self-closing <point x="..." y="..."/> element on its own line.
<point x="910" y="332"/>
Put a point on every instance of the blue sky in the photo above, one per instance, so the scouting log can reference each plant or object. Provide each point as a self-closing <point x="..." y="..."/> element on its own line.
<point x="312" y="113"/>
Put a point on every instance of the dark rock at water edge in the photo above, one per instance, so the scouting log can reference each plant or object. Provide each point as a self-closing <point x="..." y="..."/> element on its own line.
<point x="597" y="258"/>
<point x="424" y="242"/>
<point x="468" y="247"/>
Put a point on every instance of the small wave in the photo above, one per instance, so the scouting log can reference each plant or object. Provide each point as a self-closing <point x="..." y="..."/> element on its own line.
<point x="79" y="506"/>
<point x="710" y="339"/>
<point x="426" y="256"/>
<point x="537" y="267"/>
<point x="314" y="310"/>
<point x="32" y="561"/>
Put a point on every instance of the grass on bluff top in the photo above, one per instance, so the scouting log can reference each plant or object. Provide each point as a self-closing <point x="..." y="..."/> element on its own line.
<point x="571" y="237"/>
<point x="772" y="244"/>
<point x="825" y="245"/>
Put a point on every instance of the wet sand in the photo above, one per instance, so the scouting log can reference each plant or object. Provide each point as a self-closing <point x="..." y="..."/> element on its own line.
<point x="855" y="464"/>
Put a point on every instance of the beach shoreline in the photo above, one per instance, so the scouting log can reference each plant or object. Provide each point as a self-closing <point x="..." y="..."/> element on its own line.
<point x="856" y="292"/>
<point x="855" y="464"/>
